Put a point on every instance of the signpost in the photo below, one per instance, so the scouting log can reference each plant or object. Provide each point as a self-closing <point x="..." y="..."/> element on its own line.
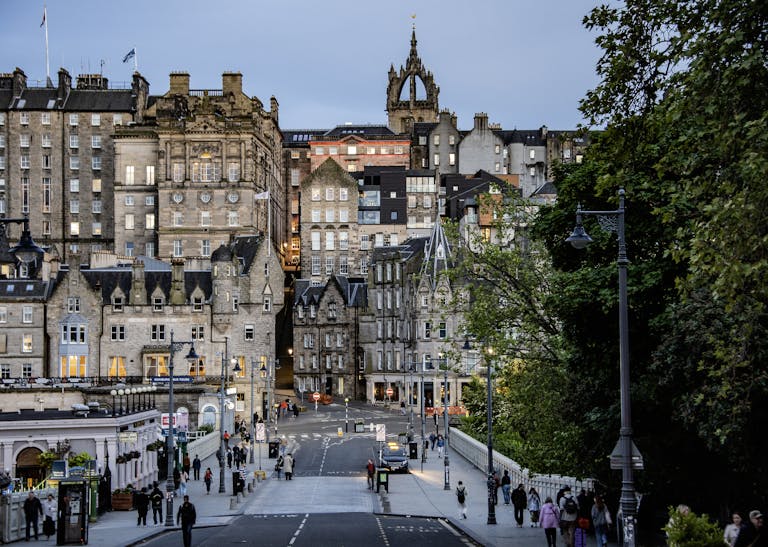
<point x="316" y="397"/>
<point x="390" y="392"/>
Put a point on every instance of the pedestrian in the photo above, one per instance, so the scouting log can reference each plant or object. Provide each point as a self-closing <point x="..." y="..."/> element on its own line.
<point x="156" y="499"/>
<point x="236" y="456"/>
<point x="461" y="498"/>
<point x="731" y="533"/>
<point x="601" y="518"/>
<point x="176" y="479"/>
<point x="279" y="465"/>
<point x="371" y="470"/>
<point x="229" y="457"/>
<point x="569" y="512"/>
<point x="141" y="502"/>
<point x="402" y="408"/>
<point x="32" y="511"/>
<point x="288" y="464"/>
<point x="183" y="478"/>
<point x="534" y="506"/>
<point x="208" y="478"/>
<point x="432" y="439"/>
<point x="187" y="516"/>
<point x="506" y="484"/>
<point x="295" y="410"/>
<point x="440" y="446"/>
<point x="196" y="464"/>
<point x="50" y="512"/>
<point x="186" y="464"/>
<point x="283" y="407"/>
<point x="519" y="502"/>
<point x="549" y="519"/>
<point x="754" y="534"/>
<point x="496" y="485"/>
<point x="226" y="439"/>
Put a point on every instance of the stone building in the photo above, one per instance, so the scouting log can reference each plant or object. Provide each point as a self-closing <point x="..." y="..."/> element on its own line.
<point x="205" y="166"/>
<point x="57" y="155"/>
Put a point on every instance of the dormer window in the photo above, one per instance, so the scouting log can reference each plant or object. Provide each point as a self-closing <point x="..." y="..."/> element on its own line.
<point x="300" y="312"/>
<point x="332" y="310"/>
<point x="197" y="304"/>
<point x="157" y="303"/>
<point x="312" y="311"/>
<point x="117" y="304"/>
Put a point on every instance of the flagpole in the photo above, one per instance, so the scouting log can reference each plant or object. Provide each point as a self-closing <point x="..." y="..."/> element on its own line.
<point x="269" y="224"/>
<point x="47" y="63"/>
<point x="135" y="59"/>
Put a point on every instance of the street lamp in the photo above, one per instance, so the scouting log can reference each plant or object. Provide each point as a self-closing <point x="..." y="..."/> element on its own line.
<point x="26" y="250"/>
<point x="222" y="451"/>
<point x="169" y="451"/>
<point x="441" y="361"/>
<point x="253" y="414"/>
<point x="346" y="414"/>
<point x="489" y="417"/>
<point x="613" y="221"/>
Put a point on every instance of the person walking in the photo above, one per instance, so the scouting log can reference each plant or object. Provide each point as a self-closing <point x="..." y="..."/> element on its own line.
<point x="196" y="464"/>
<point x="549" y="519"/>
<point x="156" y="500"/>
<point x="731" y="532"/>
<point x="461" y="498"/>
<point x="187" y="517"/>
<point x="186" y="465"/>
<point x="506" y="485"/>
<point x="141" y="501"/>
<point x="279" y="465"/>
<point x="440" y="446"/>
<point x="432" y="439"/>
<point x="176" y="478"/>
<point x="208" y="478"/>
<point x="229" y="458"/>
<point x="569" y="512"/>
<point x="601" y="519"/>
<point x="32" y="511"/>
<point x="534" y="506"/>
<point x="183" y="478"/>
<point x="519" y="502"/>
<point x="226" y="439"/>
<point x="288" y="463"/>
<point x="50" y="511"/>
<point x="371" y="470"/>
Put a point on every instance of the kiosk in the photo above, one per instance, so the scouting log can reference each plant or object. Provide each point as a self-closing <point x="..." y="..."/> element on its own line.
<point x="72" y="521"/>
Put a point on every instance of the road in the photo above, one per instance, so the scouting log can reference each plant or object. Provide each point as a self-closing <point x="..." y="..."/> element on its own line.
<point x="328" y="502"/>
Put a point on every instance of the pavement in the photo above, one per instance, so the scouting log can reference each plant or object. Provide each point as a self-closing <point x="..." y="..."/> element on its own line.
<point x="419" y="493"/>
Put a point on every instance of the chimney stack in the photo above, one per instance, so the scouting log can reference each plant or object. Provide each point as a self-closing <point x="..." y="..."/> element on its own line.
<point x="177" y="296"/>
<point x="138" y="285"/>
<point x="179" y="83"/>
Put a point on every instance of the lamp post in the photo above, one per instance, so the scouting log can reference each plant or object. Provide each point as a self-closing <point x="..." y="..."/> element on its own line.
<point x="191" y="356"/>
<point x="346" y="414"/>
<point x="26" y="250"/>
<point x="113" y="393"/>
<point x="441" y="361"/>
<point x="253" y="414"/>
<point x="222" y="450"/>
<point x="613" y="221"/>
<point x="489" y="416"/>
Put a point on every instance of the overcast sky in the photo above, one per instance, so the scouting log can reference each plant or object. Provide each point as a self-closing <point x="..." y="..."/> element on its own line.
<point x="524" y="63"/>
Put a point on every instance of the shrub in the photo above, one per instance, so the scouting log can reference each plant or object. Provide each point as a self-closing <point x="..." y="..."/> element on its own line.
<point x="690" y="530"/>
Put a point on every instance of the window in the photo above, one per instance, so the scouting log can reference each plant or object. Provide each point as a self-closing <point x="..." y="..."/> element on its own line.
<point x="197" y="303"/>
<point x="427" y="329"/>
<point x="96" y="228"/>
<point x="74" y="206"/>
<point x="129" y="221"/>
<point x="117" y="119"/>
<point x="26" y="314"/>
<point x="96" y="186"/>
<point x="235" y="303"/>
<point x="3" y="315"/>
<point x="532" y="154"/>
<point x="95" y="141"/>
<point x="45" y="118"/>
<point x="343" y="265"/>
<point x="117" y="332"/>
<point x="343" y="215"/>
<point x="329" y="214"/>
<point x="370" y="150"/>
<point x="74" y="163"/>
<point x="427" y="202"/>
<point x="333" y="150"/>
<point x="343" y="194"/>
<point x="343" y="241"/>
<point x="24" y="161"/>
<point x="398" y="149"/>
<point x="317" y="193"/>
<point x="533" y="171"/>
<point x="129" y="248"/>
<point x="157" y="333"/>
<point x="329" y="194"/>
<point x="24" y="118"/>
<point x="129" y="171"/>
<point x="24" y="195"/>
<point x="178" y="172"/>
<point x="205" y="218"/>
<point x="96" y="163"/>
<point x="149" y="201"/>
<point x="157" y="303"/>
<point x="330" y="239"/>
<point x="329" y="264"/>
<point x="46" y="194"/>
<point x="205" y="247"/>
<point x="178" y="218"/>
<point x="149" y="221"/>
<point x="497" y="167"/>
<point x="2" y="140"/>
<point x="2" y="118"/>
<point x="352" y="150"/>
<point x="267" y="304"/>
<point x="73" y="304"/>
<point x="74" y="141"/>
<point x="319" y="151"/>
<point x="45" y="140"/>
<point x="95" y="120"/>
<point x="365" y="242"/>
<point x="309" y="340"/>
<point x="178" y="248"/>
<point x="233" y="172"/>
<point x="443" y="330"/>
<point x="294" y="177"/>
<point x="315" y="215"/>
<point x="150" y="175"/>
<point x="315" y="238"/>
<point x="116" y="367"/>
<point x="26" y="343"/>
<point x="233" y="218"/>
<point x="46" y="161"/>
<point x="5" y="371"/>
<point x="250" y="333"/>
<point x="315" y="265"/>
<point x="117" y="303"/>
<point x="24" y="141"/>
<point x="47" y="227"/>
<point x="332" y="310"/>
<point x="364" y="265"/>
<point x="198" y="332"/>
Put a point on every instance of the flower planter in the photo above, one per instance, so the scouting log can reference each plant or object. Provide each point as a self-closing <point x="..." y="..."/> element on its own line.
<point x="122" y="502"/>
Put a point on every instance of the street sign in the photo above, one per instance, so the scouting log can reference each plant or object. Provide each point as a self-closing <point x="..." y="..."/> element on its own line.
<point x="381" y="432"/>
<point x="390" y="392"/>
<point x="128" y="436"/>
<point x="316" y="396"/>
<point x="176" y="379"/>
<point x="261" y="432"/>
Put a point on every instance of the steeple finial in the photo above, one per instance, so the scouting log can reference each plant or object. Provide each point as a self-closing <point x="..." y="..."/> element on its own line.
<point x="413" y="33"/>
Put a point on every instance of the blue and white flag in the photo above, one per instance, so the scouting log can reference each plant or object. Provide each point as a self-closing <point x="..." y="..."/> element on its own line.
<point x="130" y="55"/>
<point x="45" y="12"/>
<point x="262" y="195"/>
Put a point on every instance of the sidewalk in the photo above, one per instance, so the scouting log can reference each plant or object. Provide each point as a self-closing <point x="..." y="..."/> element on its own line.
<point x="118" y="528"/>
<point x="423" y="494"/>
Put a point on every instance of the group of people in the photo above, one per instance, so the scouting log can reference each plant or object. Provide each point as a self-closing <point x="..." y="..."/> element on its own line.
<point x="285" y="464"/>
<point x="746" y="534"/>
<point x="34" y="509"/>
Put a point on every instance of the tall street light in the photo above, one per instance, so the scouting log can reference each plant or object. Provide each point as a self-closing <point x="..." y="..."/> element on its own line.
<point x="441" y="361"/>
<point x="169" y="450"/>
<point x="253" y="425"/>
<point x="222" y="450"/>
<point x="26" y="250"/>
<point x="489" y="417"/>
<point x="613" y="221"/>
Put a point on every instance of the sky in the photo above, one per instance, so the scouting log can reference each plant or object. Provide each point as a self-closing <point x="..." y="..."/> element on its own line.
<point x="524" y="63"/>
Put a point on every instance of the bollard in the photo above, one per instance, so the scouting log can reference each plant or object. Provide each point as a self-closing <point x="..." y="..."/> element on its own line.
<point x="250" y="488"/>
<point x="233" y="503"/>
<point x="239" y="497"/>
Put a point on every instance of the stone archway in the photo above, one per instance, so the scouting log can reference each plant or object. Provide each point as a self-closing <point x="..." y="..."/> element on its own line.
<point x="28" y="467"/>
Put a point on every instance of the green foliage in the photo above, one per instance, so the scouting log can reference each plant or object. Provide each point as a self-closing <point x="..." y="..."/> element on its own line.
<point x="689" y="530"/>
<point x="46" y="459"/>
<point x="208" y="428"/>
<point x="79" y="460"/>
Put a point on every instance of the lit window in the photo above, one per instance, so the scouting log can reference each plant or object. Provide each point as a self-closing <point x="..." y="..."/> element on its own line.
<point x="129" y="171"/>
<point x="129" y="221"/>
<point x="150" y="175"/>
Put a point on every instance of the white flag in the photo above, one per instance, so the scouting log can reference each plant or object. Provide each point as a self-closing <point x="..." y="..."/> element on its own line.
<point x="262" y="195"/>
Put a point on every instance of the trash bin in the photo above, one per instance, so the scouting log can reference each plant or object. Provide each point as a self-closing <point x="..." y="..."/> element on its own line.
<point x="413" y="451"/>
<point x="359" y="426"/>
<point x="274" y="449"/>
<point x="382" y="479"/>
<point x="238" y="484"/>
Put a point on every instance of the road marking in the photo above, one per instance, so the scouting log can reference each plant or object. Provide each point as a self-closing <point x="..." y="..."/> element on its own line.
<point x="298" y="530"/>
<point x="381" y="531"/>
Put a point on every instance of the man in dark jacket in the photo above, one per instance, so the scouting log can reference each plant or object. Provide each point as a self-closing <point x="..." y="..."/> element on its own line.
<point x="753" y="534"/>
<point x="196" y="464"/>
<point x="141" y="501"/>
<point x="156" y="497"/>
<point x="32" y="511"/>
<point x="519" y="502"/>
<point x="187" y="516"/>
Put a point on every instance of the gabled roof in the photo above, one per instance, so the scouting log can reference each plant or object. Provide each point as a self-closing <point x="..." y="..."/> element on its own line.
<point x="548" y="188"/>
<point x="354" y="291"/>
<point x="437" y="254"/>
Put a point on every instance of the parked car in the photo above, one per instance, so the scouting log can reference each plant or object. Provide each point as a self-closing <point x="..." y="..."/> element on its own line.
<point x="394" y="457"/>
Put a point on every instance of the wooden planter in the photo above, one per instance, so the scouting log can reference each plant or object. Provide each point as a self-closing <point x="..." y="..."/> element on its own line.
<point x="122" y="502"/>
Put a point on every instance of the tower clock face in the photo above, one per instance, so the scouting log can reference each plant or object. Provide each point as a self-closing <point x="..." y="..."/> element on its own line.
<point x="205" y="197"/>
<point x="178" y="197"/>
<point x="233" y="197"/>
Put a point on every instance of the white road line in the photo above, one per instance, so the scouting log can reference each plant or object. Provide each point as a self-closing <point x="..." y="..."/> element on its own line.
<point x="298" y="530"/>
<point x="381" y="531"/>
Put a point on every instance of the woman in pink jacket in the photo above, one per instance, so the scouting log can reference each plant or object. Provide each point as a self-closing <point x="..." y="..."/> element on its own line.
<point x="549" y="519"/>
